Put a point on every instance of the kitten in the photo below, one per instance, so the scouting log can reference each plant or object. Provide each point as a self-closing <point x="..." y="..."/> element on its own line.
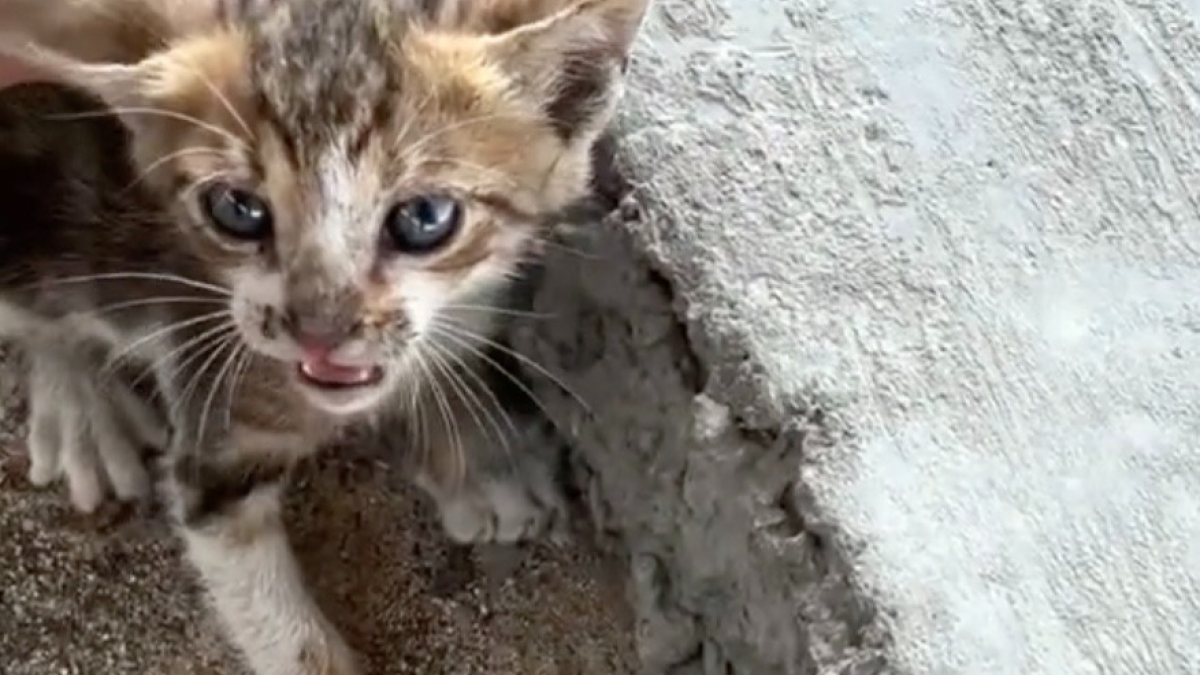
<point x="324" y="202"/>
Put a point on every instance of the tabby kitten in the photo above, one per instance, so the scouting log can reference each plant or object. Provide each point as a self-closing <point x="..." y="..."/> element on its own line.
<point x="327" y="199"/>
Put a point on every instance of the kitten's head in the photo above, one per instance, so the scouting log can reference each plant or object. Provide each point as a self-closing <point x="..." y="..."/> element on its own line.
<point x="366" y="176"/>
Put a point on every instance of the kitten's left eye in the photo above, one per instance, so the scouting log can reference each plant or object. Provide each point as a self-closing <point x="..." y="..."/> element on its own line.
<point x="423" y="224"/>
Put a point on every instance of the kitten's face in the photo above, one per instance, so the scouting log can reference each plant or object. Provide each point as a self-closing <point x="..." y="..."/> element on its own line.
<point x="366" y="178"/>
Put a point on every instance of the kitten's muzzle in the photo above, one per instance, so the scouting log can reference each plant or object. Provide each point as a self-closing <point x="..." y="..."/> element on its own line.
<point x="319" y="331"/>
<point x="320" y="341"/>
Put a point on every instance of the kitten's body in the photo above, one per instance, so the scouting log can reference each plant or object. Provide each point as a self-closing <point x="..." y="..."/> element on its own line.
<point x="325" y="200"/>
<point x="110" y="294"/>
<point x="89" y="259"/>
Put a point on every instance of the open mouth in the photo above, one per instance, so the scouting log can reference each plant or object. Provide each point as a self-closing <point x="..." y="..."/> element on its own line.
<point x="327" y="375"/>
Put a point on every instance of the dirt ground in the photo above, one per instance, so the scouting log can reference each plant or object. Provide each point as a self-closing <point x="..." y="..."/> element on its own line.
<point x="111" y="595"/>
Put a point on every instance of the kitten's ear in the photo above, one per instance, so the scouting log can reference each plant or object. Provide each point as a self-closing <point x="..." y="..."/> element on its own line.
<point x="14" y="72"/>
<point x="87" y="43"/>
<point x="570" y="55"/>
<point x="117" y="85"/>
<point x="117" y="31"/>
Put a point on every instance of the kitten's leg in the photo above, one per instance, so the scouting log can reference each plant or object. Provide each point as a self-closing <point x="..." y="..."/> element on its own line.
<point x="87" y="428"/>
<point x="44" y="439"/>
<point x="492" y="482"/>
<point x="226" y="481"/>
<point x="236" y="540"/>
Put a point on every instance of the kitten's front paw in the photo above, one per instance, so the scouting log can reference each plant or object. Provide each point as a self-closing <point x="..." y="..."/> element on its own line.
<point x="90" y="433"/>
<point x="505" y="508"/>
<point x="328" y="656"/>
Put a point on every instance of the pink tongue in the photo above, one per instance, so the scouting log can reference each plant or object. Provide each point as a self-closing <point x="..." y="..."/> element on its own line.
<point x="321" y="370"/>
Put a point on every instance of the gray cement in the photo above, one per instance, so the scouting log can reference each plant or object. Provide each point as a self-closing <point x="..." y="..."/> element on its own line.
<point x="913" y="385"/>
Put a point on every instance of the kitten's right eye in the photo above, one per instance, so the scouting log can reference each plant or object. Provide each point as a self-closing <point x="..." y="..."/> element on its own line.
<point x="237" y="213"/>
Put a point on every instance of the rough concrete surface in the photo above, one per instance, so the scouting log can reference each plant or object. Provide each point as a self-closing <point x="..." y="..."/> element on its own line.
<point x="936" y="408"/>
<point x="112" y="596"/>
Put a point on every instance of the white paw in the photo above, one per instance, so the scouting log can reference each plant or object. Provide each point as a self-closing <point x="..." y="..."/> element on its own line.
<point x="328" y="655"/>
<point x="89" y="433"/>
<point x="502" y="510"/>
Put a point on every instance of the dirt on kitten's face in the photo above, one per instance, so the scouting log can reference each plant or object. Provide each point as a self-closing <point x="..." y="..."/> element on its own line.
<point x="365" y="176"/>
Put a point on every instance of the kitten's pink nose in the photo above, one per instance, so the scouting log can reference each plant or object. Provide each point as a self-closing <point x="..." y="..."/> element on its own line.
<point x="317" y="337"/>
<point x="315" y="347"/>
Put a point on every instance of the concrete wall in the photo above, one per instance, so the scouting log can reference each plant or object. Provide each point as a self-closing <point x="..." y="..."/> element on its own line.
<point x="906" y="378"/>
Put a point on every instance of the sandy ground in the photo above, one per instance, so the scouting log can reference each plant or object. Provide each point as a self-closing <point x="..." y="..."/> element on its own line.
<point x="110" y="595"/>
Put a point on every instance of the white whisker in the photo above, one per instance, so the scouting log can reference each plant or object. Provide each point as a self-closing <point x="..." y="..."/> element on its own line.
<point x="164" y="331"/>
<point x="188" y="192"/>
<point x="461" y="335"/>
<point x="403" y="134"/>
<point x="169" y="114"/>
<point x="213" y="351"/>
<point x="481" y="355"/>
<point x="181" y="299"/>
<point x="471" y="370"/>
<point x="446" y="413"/>
<point x="568" y="249"/>
<point x="468" y="396"/>
<point x="500" y="311"/>
<point x="244" y="364"/>
<point x="211" y="333"/>
<point x="186" y="152"/>
<point x="428" y="138"/>
<point x="220" y="96"/>
<point x="235" y="349"/>
<point x="133" y="276"/>
<point x="505" y="180"/>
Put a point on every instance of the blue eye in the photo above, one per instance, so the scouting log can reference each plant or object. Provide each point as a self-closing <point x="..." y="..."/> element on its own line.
<point x="237" y="213"/>
<point x="423" y="224"/>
